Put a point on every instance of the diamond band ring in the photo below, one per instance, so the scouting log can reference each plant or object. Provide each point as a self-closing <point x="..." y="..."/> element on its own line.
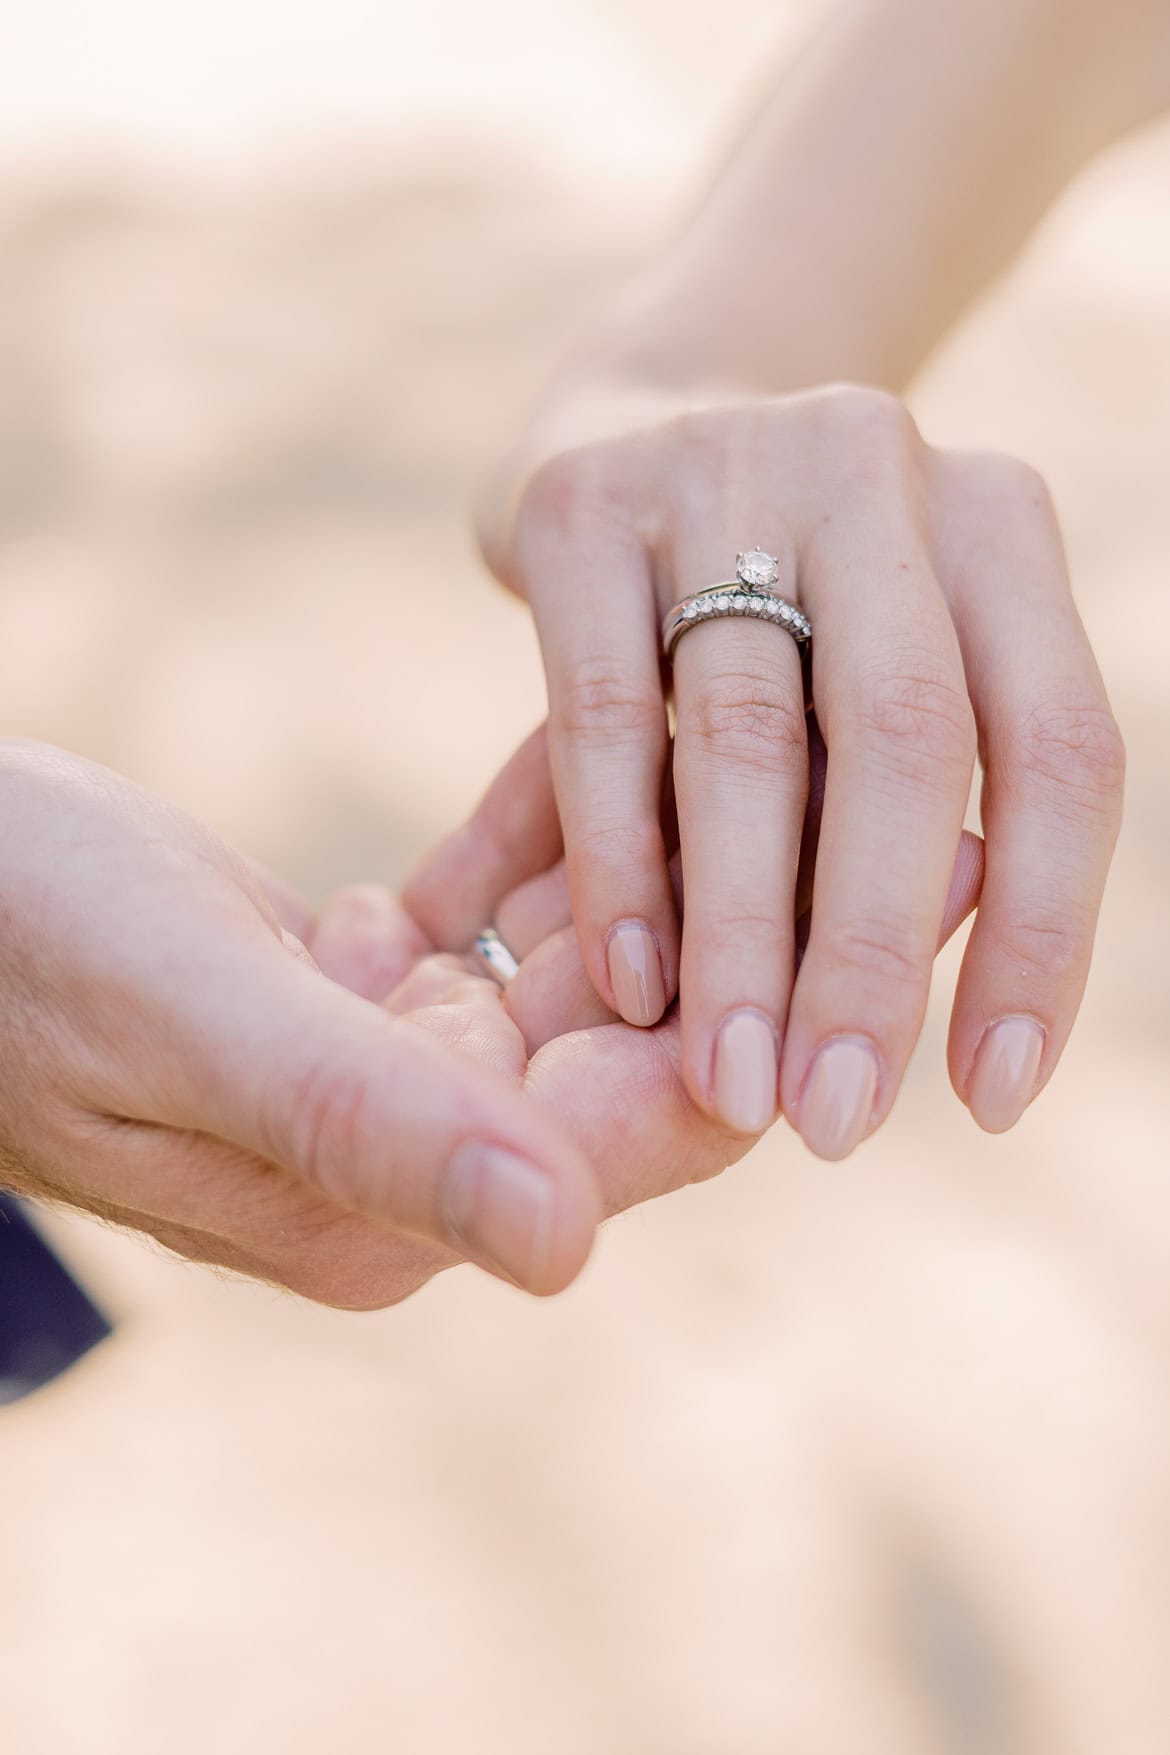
<point x="749" y="594"/>
<point x="495" y="957"/>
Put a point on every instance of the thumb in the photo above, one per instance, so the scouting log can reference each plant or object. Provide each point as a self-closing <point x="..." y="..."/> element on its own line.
<point x="382" y="1118"/>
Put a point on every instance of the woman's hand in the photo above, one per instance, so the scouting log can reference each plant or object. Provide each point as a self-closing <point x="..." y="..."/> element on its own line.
<point x="944" y="628"/>
<point x="176" y="1060"/>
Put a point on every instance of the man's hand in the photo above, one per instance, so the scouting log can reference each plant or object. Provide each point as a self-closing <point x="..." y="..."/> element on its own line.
<point x="177" y="1059"/>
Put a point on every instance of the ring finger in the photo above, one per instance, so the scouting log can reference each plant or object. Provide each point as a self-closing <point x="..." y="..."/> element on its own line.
<point x="741" y="782"/>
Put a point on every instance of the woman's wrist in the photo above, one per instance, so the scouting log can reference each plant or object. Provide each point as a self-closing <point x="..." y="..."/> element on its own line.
<point x="811" y="261"/>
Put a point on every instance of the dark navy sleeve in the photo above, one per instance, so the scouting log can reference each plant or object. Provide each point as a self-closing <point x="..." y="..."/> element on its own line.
<point x="47" y="1322"/>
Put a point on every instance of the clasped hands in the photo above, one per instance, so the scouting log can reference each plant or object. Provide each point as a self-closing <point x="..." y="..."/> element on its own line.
<point x="341" y="1103"/>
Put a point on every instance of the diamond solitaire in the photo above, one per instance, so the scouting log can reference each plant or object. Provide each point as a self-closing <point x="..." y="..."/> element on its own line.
<point x="757" y="568"/>
<point x="752" y="594"/>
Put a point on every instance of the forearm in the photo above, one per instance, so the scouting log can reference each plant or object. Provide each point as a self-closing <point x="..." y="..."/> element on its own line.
<point x="896" y="168"/>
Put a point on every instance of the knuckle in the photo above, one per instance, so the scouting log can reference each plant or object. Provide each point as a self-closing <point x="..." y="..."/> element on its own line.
<point x="996" y="514"/>
<point x="597" y="699"/>
<point x="881" y="950"/>
<point x="699" y="429"/>
<point x="713" y="452"/>
<point x="560" y="490"/>
<point x="869" y="413"/>
<point x="749" y="720"/>
<point x="1077" y="747"/>
<point x="1044" y="944"/>
<point x="723" y="437"/>
<point x="631" y="846"/>
<point x="741" y="936"/>
<point x="919" y="717"/>
<point x="1004" y="482"/>
<point x="571" y="495"/>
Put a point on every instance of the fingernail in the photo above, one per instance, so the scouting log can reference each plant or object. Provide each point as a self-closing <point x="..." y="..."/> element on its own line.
<point x="744" y="1082"/>
<point x="501" y="1207"/>
<point x="1003" y="1078"/>
<point x="838" y="1098"/>
<point x="635" y="974"/>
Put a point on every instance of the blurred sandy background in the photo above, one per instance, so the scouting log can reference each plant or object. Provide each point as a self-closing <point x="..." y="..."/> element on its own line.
<point x="871" y="1458"/>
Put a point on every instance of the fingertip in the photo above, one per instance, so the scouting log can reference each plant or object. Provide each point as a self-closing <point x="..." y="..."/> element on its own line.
<point x="530" y="1224"/>
<point x="1005" y="1071"/>
<point x="579" y="1214"/>
<point x="552" y="995"/>
<point x="745" y="1072"/>
<point x="364" y="940"/>
<point x="836" y="1107"/>
<point x="637" y="980"/>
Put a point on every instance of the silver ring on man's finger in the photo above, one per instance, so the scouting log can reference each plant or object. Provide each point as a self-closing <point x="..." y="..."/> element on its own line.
<point x="494" y="955"/>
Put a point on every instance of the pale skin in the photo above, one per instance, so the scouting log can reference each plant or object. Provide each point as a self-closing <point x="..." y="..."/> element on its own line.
<point x="138" y="955"/>
<point x="892" y="173"/>
<point x="189" y="1050"/>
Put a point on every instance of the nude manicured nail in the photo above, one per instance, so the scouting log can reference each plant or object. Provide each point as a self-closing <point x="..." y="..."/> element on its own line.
<point x="635" y="974"/>
<point x="502" y="1207"/>
<point x="1004" y="1076"/>
<point x="838" y="1098"/>
<point x="744" y="1082"/>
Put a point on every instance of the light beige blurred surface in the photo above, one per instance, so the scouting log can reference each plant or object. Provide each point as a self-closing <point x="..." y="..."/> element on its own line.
<point x="822" y="1460"/>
